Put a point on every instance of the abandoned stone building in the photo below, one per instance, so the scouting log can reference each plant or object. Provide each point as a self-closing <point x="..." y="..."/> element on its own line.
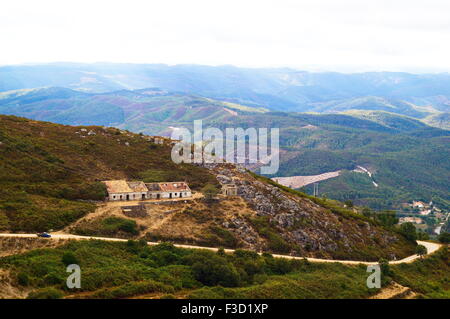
<point x="229" y="190"/>
<point x="123" y="190"/>
<point x="168" y="190"/>
<point x="120" y="190"/>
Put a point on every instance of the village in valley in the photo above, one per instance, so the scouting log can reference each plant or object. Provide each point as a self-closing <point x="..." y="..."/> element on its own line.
<point x="427" y="217"/>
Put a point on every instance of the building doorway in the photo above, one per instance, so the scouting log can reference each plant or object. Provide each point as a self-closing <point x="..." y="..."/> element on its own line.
<point x="143" y="196"/>
<point x="128" y="197"/>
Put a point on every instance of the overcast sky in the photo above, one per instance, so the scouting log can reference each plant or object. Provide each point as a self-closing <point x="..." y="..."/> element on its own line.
<point x="336" y="35"/>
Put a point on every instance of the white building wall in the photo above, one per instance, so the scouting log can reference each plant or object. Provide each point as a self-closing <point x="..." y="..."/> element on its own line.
<point x="131" y="196"/>
<point x="148" y="195"/>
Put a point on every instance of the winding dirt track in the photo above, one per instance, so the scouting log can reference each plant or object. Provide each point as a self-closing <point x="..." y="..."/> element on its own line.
<point x="431" y="248"/>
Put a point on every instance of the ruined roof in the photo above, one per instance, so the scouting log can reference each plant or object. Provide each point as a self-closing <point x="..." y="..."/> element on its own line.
<point x="122" y="186"/>
<point x="153" y="187"/>
<point x="138" y="186"/>
<point x="118" y="186"/>
<point x="174" y="186"/>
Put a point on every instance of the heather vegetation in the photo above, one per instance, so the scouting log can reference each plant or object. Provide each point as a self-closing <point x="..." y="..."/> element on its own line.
<point x="108" y="227"/>
<point x="127" y="269"/>
<point x="119" y="270"/>
<point x="50" y="174"/>
<point x="428" y="276"/>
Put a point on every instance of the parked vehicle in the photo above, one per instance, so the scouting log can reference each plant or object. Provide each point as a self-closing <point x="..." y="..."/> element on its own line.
<point x="44" y="235"/>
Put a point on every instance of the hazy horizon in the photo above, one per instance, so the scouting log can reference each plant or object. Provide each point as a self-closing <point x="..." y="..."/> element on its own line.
<point x="306" y="69"/>
<point x="347" y="36"/>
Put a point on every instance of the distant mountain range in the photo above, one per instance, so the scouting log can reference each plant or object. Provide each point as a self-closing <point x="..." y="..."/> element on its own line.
<point x="422" y="96"/>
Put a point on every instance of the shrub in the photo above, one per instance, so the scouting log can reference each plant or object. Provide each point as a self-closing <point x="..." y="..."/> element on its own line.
<point x="46" y="293"/>
<point x="23" y="279"/>
<point x="115" y="224"/>
<point x="421" y="250"/>
<point x="69" y="258"/>
<point x="218" y="236"/>
<point x="421" y="235"/>
<point x="134" y="288"/>
<point x="209" y="191"/>
<point x="278" y="266"/>
<point x="444" y="238"/>
<point x="384" y="267"/>
<point x="210" y="269"/>
<point x="409" y="231"/>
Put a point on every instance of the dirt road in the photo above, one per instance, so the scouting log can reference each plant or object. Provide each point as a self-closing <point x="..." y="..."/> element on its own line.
<point x="431" y="248"/>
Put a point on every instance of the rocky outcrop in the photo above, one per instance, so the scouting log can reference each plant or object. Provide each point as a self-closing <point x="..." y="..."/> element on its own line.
<point x="310" y="229"/>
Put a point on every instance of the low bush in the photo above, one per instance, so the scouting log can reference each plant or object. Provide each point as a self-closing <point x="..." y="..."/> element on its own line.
<point x="133" y="289"/>
<point x="46" y="293"/>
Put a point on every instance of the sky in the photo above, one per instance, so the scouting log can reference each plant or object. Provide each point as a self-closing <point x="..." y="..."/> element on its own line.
<point x="314" y="35"/>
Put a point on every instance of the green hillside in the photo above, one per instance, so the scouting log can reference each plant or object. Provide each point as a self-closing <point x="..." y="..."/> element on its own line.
<point x="392" y="120"/>
<point x="46" y="169"/>
<point x="50" y="177"/>
<point x="373" y="103"/>
<point x="441" y="120"/>
<point x="150" y="111"/>
<point x="409" y="161"/>
<point x="127" y="270"/>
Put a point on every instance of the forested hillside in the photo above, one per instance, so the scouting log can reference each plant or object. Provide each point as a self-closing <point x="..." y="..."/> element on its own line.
<point x="408" y="162"/>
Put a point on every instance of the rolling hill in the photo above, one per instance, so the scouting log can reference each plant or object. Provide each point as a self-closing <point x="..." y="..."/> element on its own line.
<point x="279" y="89"/>
<point x="151" y="111"/>
<point x="68" y="162"/>
<point x="441" y="120"/>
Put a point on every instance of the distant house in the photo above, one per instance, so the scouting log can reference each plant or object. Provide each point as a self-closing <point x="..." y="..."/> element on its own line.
<point x="418" y="204"/>
<point x="119" y="190"/>
<point x="414" y="220"/>
<point x="425" y="212"/>
<point x="229" y="190"/>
